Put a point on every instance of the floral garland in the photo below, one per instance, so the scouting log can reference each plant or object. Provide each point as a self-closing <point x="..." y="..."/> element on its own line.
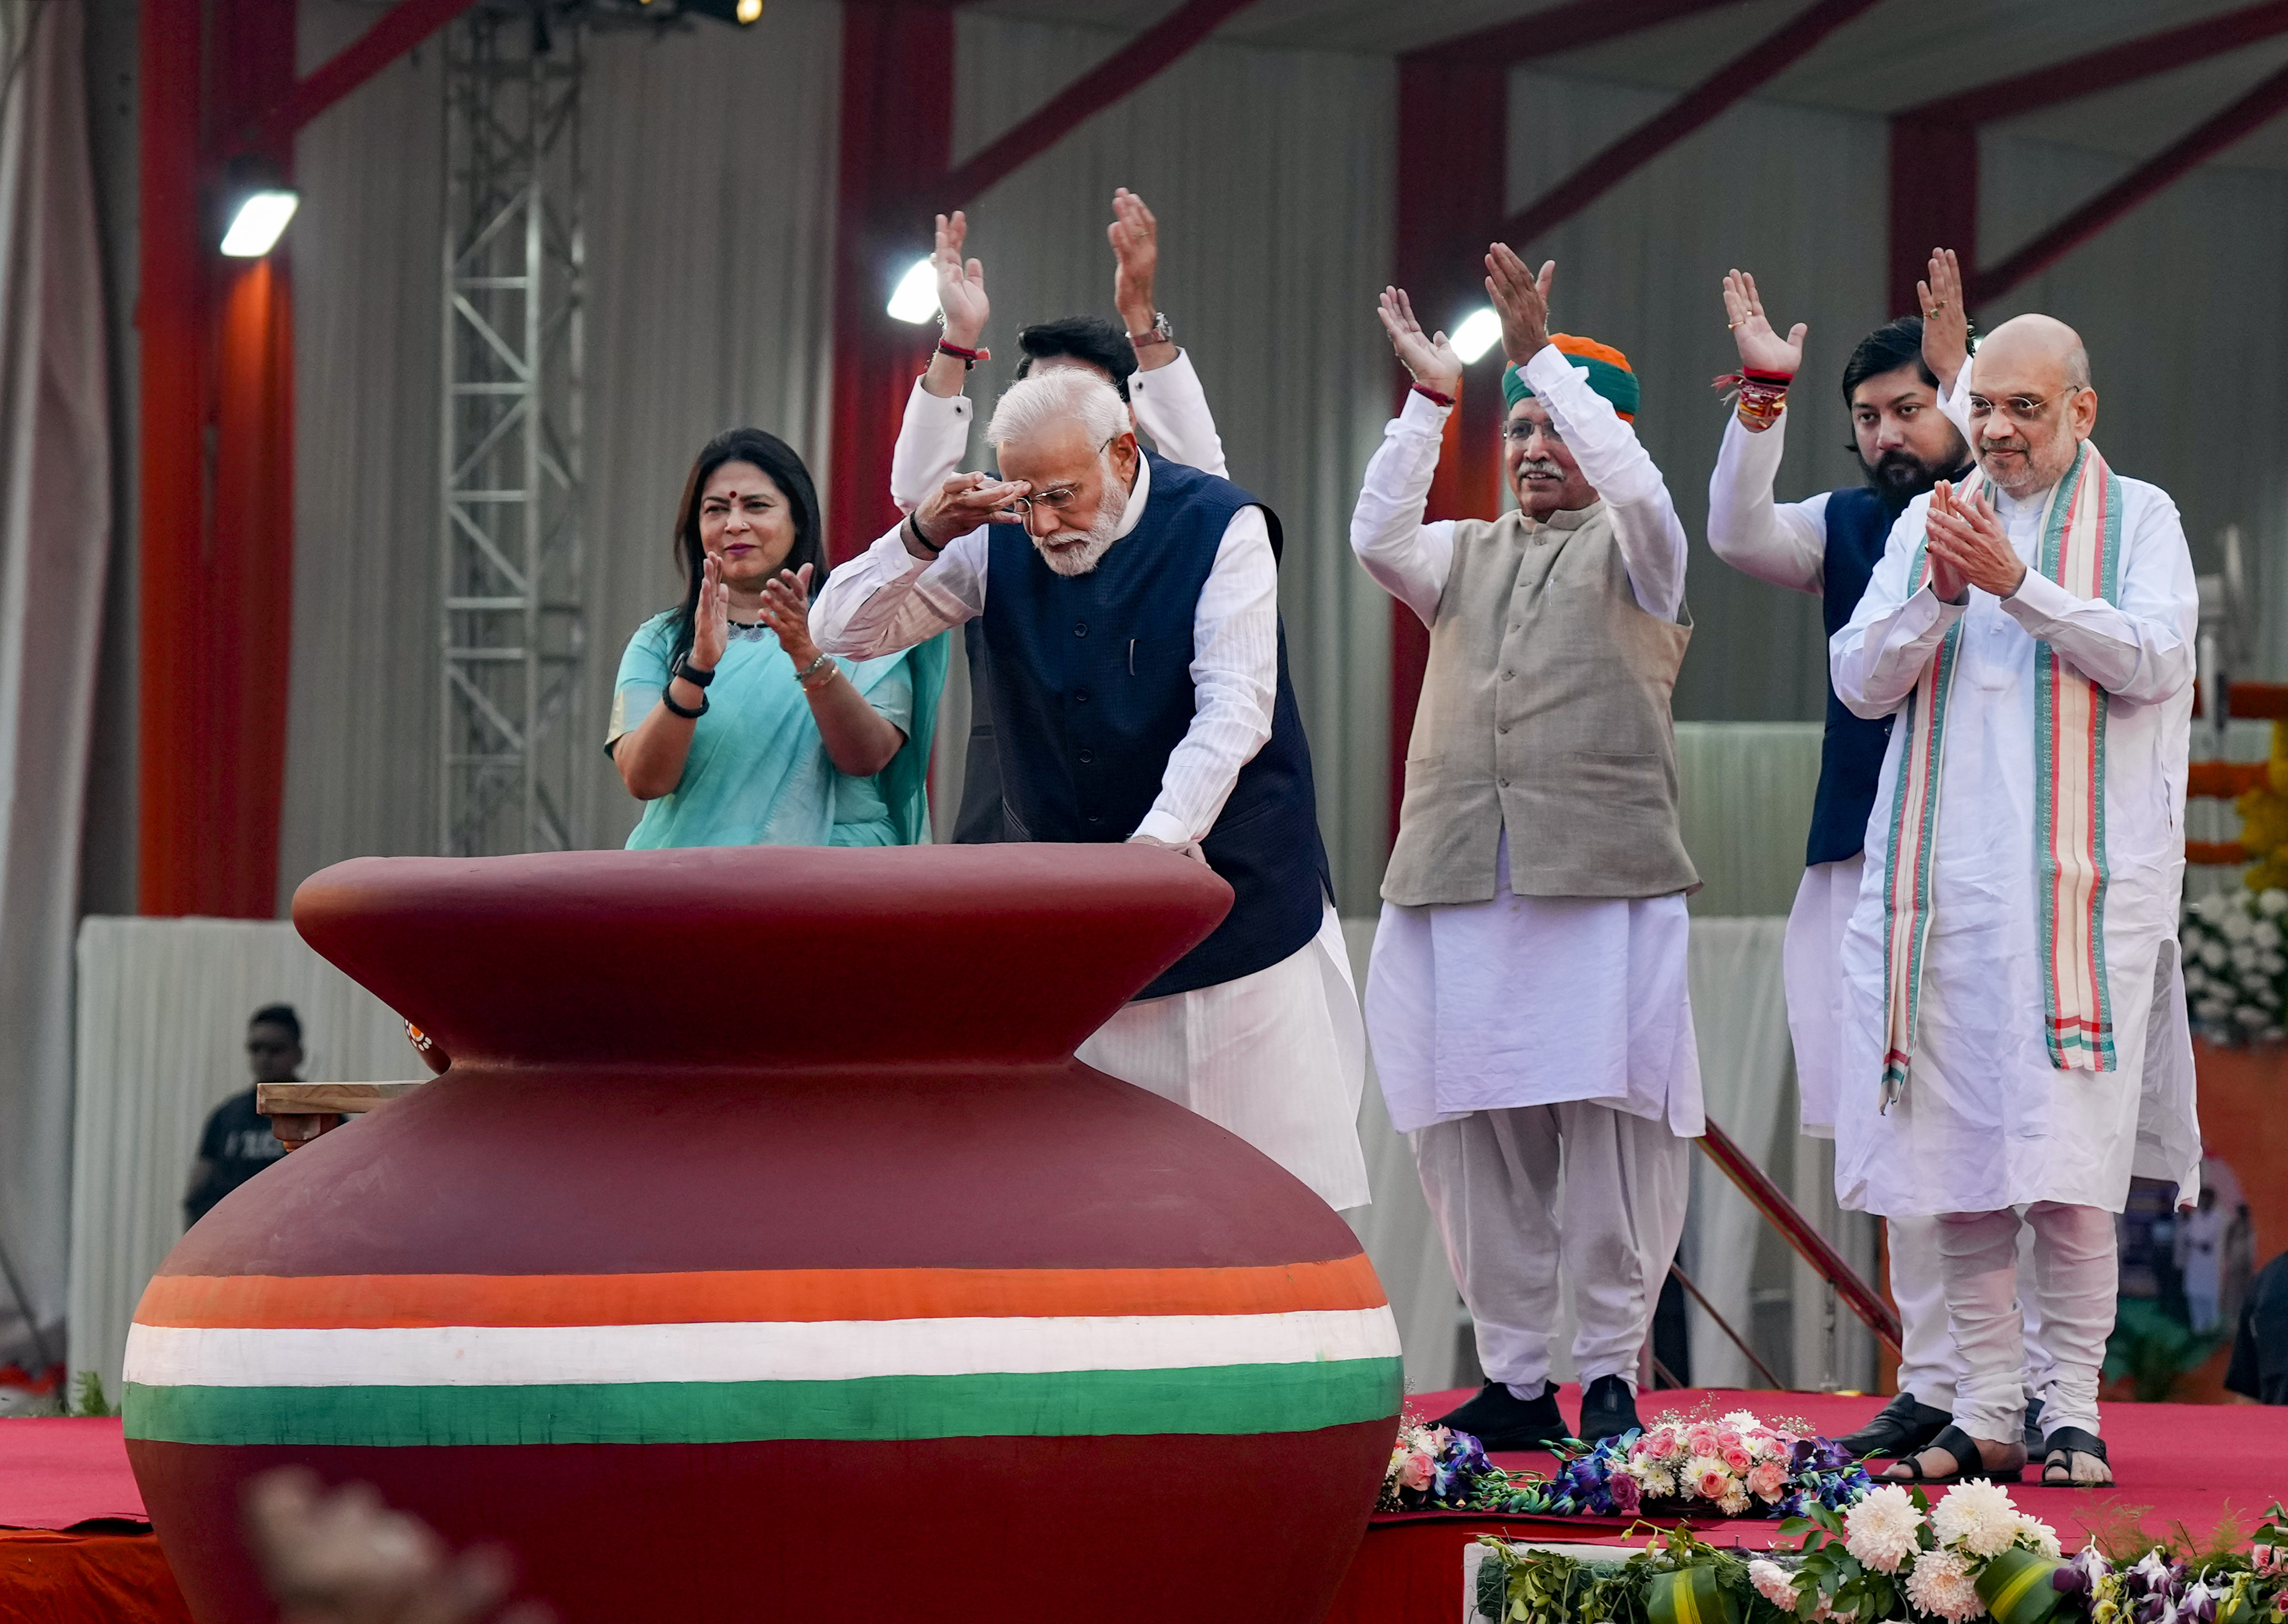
<point x="1734" y="1464"/>
<point x="2236" y="956"/>
<point x="1893" y="1557"/>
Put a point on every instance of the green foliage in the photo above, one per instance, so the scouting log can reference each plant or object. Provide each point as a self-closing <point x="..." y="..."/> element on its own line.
<point x="2154" y="1352"/>
<point x="88" y="1396"/>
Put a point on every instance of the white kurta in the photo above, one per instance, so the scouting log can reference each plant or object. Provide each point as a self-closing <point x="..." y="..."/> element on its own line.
<point x="1986" y="1121"/>
<point x="1529" y="1001"/>
<point x="1278" y="1056"/>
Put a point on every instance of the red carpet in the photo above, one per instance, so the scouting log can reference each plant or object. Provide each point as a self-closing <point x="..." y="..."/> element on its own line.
<point x="2188" y="1463"/>
<point x="2194" y="1464"/>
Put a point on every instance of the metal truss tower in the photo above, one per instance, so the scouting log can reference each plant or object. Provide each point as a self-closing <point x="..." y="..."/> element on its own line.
<point x="513" y="733"/>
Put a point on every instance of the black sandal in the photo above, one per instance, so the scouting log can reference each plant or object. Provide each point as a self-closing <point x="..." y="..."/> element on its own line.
<point x="1969" y="1462"/>
<point x="2058" y="1451"/>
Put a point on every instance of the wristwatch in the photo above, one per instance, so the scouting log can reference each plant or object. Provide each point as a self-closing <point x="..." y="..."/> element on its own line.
<point x="1160" y="333"/>
<point x="690" y="673"/>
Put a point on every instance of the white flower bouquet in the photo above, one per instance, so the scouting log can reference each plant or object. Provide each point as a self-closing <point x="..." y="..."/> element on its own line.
<point x="1975" y="1552"/>
<point x="2236" y="957"/>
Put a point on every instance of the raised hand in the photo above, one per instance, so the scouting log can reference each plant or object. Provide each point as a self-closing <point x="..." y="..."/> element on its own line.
<point x="1760" y="347"/>
<point x="1135" y="238"/>
<point x="960" y="288"/>
<point x="1946" y="323"/>
<point x="1428" y="357"/>
<point x="962" y="503"/>
<point x="786" y="611"/>
<point x="710" y="617"/>
<point x="1521" y="297"/>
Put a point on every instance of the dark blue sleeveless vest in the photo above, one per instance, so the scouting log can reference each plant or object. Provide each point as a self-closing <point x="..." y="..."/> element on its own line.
<point x="1091" y="685"/>
<point x="1851" y="754"/>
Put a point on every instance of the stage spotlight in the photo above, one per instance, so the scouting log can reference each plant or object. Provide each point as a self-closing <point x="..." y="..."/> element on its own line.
<point x="1479" y="332"/>
<point x="260" y="219"/>
<point x="916" y="299"/>
<point x="749" y="11"/>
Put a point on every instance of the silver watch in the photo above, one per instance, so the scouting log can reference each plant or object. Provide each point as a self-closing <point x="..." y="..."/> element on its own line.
<point x="1160" y="333"/>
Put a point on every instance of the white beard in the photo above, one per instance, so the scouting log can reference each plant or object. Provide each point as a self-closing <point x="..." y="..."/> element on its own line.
<point x="1096" y="541"/>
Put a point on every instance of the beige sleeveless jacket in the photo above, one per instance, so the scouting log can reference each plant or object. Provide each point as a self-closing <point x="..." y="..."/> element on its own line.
<point x="1545" y="710"/>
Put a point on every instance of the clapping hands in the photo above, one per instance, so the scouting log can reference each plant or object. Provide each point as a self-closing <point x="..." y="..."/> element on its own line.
<point x="1968" y="546"/>
<point x="786" y="611"/>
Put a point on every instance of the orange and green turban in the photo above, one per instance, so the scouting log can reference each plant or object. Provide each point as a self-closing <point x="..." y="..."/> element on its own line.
<point x="1610" y="375"/>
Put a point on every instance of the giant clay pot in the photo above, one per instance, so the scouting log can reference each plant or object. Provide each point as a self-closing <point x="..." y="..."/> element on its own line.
<point x="765" y="1253"/>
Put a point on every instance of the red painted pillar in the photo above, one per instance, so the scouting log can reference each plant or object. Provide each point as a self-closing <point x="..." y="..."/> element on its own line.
<point x="1933" y="202"/>
<point x="897" y="140"/>
<point x="1453" y="147"/>
<point x="217" y="447"/>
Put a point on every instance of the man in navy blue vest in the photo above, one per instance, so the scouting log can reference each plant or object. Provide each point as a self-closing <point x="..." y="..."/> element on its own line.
<point x="1901" y="387"/>
<point x="1138" y="672"/>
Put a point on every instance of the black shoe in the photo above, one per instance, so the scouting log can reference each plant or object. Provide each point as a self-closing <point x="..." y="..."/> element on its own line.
<point x="1608" y="1409"/>
<point x="1499" y="1419"/>
<point x="1902" y="1427"/>
<point x="2033" y="1426"/>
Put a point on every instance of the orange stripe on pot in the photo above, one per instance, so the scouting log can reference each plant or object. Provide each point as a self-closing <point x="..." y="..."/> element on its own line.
<point x="261" y="1301"/>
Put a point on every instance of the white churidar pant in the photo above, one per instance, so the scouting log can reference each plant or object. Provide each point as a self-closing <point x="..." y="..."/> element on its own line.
<point x="2074" y="1271"/>
<point x="1517" y="1191"/>
<point x="1278" y="1058"/>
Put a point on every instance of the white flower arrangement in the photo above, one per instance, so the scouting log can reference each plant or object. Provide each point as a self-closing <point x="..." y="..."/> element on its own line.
<point x="1893" y="1546"/>
<point x="2235" y="947"/>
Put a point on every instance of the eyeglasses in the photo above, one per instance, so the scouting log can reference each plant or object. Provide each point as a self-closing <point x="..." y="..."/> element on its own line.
<point x="1056" y="499"/>
<point x="2019" y="408"/>
<point x="1518" y="433"/>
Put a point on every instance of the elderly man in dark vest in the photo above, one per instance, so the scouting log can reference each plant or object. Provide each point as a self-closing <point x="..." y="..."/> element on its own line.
<point x="1527" y="1001"/>
<point x="1900" y="387"/>
<point x="1140" y="692"/>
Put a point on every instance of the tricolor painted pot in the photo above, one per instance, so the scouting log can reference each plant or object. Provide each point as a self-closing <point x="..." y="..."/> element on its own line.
<point x="765" y="1254"/>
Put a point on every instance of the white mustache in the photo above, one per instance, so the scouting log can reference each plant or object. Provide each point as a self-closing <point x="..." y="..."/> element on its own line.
<point x="1540" y="466"/>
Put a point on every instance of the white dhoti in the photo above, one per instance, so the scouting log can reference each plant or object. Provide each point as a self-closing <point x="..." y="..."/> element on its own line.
<point x="1278" y="1058"/>
<point x="1539" y="1050"/>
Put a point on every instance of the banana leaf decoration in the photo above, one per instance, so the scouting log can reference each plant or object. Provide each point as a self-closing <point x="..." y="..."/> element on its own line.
<point x="1691" y="1596"/>
<point x="2017" y="1589"/>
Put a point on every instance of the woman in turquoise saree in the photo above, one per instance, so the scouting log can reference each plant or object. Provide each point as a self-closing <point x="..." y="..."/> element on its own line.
<point x="726" y="720"/>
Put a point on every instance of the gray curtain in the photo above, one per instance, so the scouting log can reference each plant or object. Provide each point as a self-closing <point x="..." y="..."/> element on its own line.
<point x="55" y="531"/>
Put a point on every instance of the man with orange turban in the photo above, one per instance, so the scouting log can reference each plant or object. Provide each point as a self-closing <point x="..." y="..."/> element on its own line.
<point x="1527" y="1002"/>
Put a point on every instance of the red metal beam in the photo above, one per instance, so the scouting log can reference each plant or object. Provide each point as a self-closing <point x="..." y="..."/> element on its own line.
<point x="2260" y="106"/>
<point x="1108" y="82"/>
<point x="1559" y="28"/>
<point x="1934" y="202"/>
<point x="2107" y="69"/>
<point x="402" y="27"/>
<point x="1809" y="1244"/>
<point x="1730" y="84"/>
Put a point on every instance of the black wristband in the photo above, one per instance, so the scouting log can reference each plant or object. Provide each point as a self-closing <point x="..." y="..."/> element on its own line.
<point x="668" y="699"/>
<point x="690" y="673"/>
<point x="923" y="540"/>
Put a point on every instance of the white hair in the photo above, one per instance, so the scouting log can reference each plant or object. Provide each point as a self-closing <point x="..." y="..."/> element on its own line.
<point x="1061" y="395"/>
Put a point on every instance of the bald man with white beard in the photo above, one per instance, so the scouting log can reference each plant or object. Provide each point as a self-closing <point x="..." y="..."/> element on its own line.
<point x="2013" y="947"/>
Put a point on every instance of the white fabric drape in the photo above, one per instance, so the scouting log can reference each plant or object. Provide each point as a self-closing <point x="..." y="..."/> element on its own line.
<point x="161" y="1035"/>
<point x="1270" y="173"/>
<point x="55" y="529"/>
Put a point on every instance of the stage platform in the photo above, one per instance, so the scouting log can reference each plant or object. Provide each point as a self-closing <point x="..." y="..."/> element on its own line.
<point x="76" y="1548"/>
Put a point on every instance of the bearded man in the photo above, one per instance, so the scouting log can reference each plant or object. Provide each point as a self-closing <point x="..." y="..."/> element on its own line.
<point x="1138" y="668"/>
<point x="1138" y="355"/>
<point x="2014" y="947"/>
<point x="1897" y="386"/>
<point x="1527" y="1001"/>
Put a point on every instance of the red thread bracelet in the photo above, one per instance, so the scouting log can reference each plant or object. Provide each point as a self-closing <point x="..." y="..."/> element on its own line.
<point x="1433" y="397"/>
<point x="967" y="358"/>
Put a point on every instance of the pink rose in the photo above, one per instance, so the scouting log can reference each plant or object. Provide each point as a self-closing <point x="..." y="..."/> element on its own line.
<point x="1737" y="1457"/>
<point x="1701" y="1440"/>
<point x="1415" y="1472"/>
<point x="1713" y="1482"/>
<point x="1766" y="1480"/>
<point x="1663" y="1443"/>
<point x="1627" y="1494"/>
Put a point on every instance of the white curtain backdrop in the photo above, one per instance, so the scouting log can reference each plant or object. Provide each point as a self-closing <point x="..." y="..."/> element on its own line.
<point x="161" y="1020"/>
<point x="1270" y="173"/>
<point x="55" y="529"/>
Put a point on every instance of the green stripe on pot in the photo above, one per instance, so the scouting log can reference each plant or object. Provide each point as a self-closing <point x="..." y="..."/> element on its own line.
<point x="1689" y="1596"/>
<point x="1216" y="1399"/>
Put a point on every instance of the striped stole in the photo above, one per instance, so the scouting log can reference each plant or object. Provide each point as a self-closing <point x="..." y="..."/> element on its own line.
<point x="2081" y="551"/>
